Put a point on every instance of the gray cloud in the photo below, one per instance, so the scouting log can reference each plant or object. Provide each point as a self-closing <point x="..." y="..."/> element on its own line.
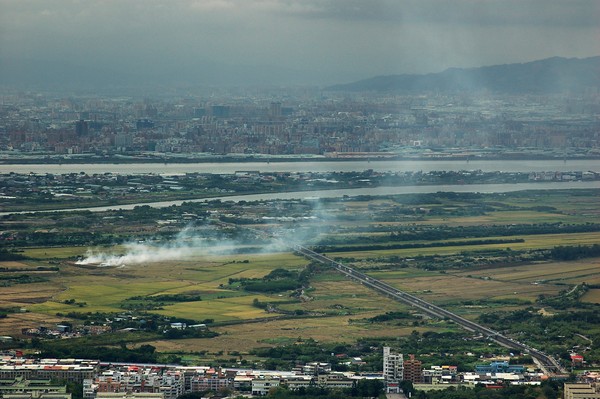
<point x="576" y="13"/>
<point x="331" y="40"/>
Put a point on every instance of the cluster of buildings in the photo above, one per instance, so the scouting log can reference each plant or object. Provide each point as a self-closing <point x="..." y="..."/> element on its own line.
<point x="563" y="176"/>
<point x="38" y="379"/>
<point x="22" y="378"/>
<point x="64" y="331"/>
<point x="495" y="374"/>
<point x="284" y="125"/>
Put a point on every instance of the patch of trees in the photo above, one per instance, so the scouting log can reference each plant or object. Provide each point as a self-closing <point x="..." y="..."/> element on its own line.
<point x="302" y="351"/>
<point x="59" y="239"/>
<point x="5" y="311"/>
<point x="495" y="301"/>
<point x="259" y="304"/>
<point x="271" y="286"/>
<point x="362" y="389"/>
<point x="463" y="260"/>
<point x="143" y="354"/>
<point x="278" y="280"/>
<point x="481" y="392"/>
<point x="6" y="255"/>
<point x="74" y="302"/>
<point x="182" y="297"/>
<point x="431" y="233"/>
<point x="388" y="316"/>
<point x="575" y="252"/>
<point x="11" y="279"/>
<point x="567" y="298"/>
<point x="175" y="333"/>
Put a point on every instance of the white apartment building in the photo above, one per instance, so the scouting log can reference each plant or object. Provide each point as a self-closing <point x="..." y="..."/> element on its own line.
<point x="393" y="369"/>
<point x="262" y="386"/>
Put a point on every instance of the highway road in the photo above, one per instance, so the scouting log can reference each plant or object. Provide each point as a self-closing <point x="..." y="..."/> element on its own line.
<point x="547" y="363"/>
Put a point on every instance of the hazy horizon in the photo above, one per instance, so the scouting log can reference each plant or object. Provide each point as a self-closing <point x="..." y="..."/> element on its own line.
<point x="286" y="41"/>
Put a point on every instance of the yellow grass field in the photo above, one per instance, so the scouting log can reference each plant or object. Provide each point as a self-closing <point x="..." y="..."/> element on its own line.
<point x="592" y="296"/>
<point x="530" y="242"/>
<point x="362" y="302"/>
<point x="575" y="272"/>
<point x="244" y="337"/>
<point x="443" y="288"/>
<point x="103" y="289"/>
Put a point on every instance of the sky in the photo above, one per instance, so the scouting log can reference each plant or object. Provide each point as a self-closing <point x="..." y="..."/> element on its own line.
<point x="323" y="41"/>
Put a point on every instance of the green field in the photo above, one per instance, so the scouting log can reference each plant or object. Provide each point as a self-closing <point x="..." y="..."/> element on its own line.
<point x="331" y="308"/>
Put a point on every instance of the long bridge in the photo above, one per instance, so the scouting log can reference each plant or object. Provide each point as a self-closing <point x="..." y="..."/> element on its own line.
<point x="547" y="363"/>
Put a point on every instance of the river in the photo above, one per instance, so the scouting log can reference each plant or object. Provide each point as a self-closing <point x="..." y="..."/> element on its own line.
<point x="317" y="166"/>
<point x="383" y="190"/>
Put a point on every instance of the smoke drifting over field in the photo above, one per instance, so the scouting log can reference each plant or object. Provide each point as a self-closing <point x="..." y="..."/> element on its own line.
<point x="195" y="241"/>
<point x="187" y="244"/>
<point x="136" y="254"/>
<point x="184" y="246"/>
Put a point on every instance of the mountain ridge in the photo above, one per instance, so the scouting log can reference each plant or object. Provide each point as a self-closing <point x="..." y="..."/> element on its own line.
<point x="555" y="74"/>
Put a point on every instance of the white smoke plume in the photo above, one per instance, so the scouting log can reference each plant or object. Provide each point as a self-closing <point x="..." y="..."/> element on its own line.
<point x="189" y="243"/>
<point x="136" y="254"/>
<point x="184" y="246"/>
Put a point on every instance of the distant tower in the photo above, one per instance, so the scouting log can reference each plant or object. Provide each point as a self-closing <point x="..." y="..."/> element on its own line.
<point x="275" y="110"/>
<point x="220" y="111"/>
<point x="393" y="370"/>
<point x="81" y="128"/>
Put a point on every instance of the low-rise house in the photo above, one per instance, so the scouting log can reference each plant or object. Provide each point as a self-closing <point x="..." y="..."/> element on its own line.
<point x="262" y="386"/>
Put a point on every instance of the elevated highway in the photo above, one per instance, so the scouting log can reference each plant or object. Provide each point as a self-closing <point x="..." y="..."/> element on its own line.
<point x="547" y="363"/>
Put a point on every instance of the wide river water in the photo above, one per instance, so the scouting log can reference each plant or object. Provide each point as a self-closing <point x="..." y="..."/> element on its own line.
<point x="317" y="166"/>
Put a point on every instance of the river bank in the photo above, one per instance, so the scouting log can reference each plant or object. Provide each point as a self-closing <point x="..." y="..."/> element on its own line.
<point x="338" y="193"/>
<point x="557" y="165"/>
<point x="158" y="158"/>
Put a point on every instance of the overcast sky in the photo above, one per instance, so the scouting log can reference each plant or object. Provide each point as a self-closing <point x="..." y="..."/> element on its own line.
<point x="340" y="40"/>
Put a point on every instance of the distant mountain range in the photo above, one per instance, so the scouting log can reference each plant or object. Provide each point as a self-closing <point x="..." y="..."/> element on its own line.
<point x="544" y="76"/>
<point x="550" y="75"/>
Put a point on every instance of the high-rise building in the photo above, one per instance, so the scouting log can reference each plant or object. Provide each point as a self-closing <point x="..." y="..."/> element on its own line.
<point x="81" y="128"/>
<point x="220" y="111"/>
<point x="393" y="369"/>
<point x="275" y="110"/>
<point x="413" y="370"/>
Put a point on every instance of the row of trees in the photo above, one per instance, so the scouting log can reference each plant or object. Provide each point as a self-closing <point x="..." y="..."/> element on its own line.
<point x="362" y="389"/>
<point x="575" y="252"/>
<point x="432" y="233"/>
<point x="380" y="247"/>
<point x="546" y="391"/>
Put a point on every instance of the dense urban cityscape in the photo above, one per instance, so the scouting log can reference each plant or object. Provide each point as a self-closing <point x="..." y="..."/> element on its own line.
<point x="314" y="123"/>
